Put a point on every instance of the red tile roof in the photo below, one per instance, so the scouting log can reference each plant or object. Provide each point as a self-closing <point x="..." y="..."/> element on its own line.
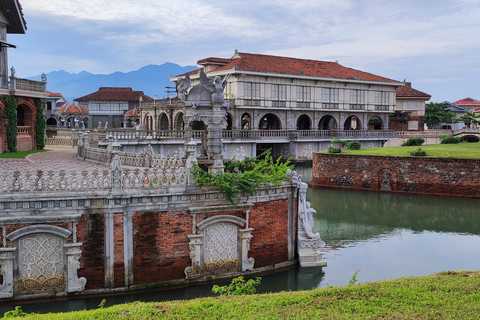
<point x="115" y="94"/>
<point x="289" y="66"/>
<point x="52" y="94"/>
<point x="467" y="100"/>
<point x="73" y="108"/>
<point x="408" y="92"/>
<point x="132" y="112"/>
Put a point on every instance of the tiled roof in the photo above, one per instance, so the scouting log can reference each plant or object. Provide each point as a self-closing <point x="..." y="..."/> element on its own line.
<point x="133" y="112"/>
<point x="115" y="94"/>
<point x="73" y="108"/>
<point x="467" y="100"/>
<point x="52" y="94"/>
<point x="289" y="66"/>
<point x="408" y="92"/>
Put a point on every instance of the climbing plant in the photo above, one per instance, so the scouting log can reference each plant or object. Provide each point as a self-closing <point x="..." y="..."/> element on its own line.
<point x="10" y="113"/>
<point x="245" y="176"/>
<point x="40" y="125"/>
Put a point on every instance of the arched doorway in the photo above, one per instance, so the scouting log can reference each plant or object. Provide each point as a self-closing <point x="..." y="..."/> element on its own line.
<point x="51" y="122"/>
<point x="229" y="122"/>
<point x="375" y="123"/>
<point x="352" y="123"/>
<point x="179" y="124"/>
<point x="163" y="122"/>
<point x="327" y="123"/>
<point x="303" y="122"/>
<point x="245" y="125"/>
<point x="269" y="122"/>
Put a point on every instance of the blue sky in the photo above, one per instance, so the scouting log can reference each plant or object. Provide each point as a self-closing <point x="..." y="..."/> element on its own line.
<point x="434" y="44"/>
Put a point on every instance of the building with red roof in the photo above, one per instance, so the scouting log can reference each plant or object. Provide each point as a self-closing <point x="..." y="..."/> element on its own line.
<point x="412" y="101"/>
<point x="108" y="105"/>
<point x="275" y="92"/>
<point x="468" y="103"/>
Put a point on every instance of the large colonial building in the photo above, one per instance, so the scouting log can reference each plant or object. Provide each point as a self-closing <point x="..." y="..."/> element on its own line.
<point x="271" y="92"/>
<point x="26" y="93"/>
<point x="110" y="104"/>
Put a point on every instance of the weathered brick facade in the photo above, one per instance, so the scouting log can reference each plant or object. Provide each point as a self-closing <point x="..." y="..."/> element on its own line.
<point x="445" y="176"/>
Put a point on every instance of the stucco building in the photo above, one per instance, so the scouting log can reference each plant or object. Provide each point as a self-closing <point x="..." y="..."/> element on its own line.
<point x="110" y="104"/>
<point x="411" y="100"/>
<point x="272" y="92"/>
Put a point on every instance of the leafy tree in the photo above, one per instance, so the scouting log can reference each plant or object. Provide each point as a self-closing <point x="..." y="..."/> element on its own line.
<point x="436" y="113"/>
<point x="399" y="117"/>
<point x="469" y="118"/>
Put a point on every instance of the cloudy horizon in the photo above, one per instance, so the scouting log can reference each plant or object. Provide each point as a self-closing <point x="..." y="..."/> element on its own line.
<point x="433" y="44"/>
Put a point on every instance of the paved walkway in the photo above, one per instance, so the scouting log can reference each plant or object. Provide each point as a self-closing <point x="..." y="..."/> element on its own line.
<point x="57" y="159"/>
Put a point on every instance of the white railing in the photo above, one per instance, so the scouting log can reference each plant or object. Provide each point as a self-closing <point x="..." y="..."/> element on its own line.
<point x="145" y="178"/>
<point x="430" y="132"/>
<point x="60" y="141"/>
<point x="27" y="85"/>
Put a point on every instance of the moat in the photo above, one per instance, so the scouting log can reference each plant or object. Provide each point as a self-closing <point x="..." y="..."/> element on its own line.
<point x="383" y="235"/>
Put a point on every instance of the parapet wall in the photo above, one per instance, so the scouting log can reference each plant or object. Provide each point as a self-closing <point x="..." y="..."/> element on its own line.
<point x="423" y="175"/>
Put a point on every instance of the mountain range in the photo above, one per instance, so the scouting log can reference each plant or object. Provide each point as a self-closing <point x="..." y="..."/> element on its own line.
<point x="151" y="79"/>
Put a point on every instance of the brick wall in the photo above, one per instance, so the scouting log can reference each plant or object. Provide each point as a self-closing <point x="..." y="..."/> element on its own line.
<point x="458" y="177"/>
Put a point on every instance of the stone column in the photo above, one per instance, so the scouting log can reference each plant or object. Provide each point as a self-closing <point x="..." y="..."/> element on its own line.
<point x="196" y="254"/>
<point x="73" y="252"/>
<point x="246" y="236"/>
<point x="7" y="255"/>
<point x="109" y="244"/>
<point x="128" y="247"/>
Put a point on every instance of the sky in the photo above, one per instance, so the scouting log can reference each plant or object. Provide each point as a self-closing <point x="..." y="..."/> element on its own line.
<point x="435" y="44"/>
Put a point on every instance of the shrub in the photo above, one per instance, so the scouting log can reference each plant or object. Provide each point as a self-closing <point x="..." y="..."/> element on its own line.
<point x="353" y="145"/>
<point x="413" y="142"/>
<point x="334" y="150"/>
<point x="418" y="153"/>
<point x="341" y="143"/>
<point x="449" y="140"/>
<point x="238" y="286"/>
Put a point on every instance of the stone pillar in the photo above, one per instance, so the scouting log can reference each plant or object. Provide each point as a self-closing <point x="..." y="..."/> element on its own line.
<point x="246" y="236"/>
<point x="73" y="252"/>
<point x="128" y="247"/>
<point x="109" y="243"/>
<point x="214" y="139"/>
<point x="195" y="246"/>
<point x="7" y="255"/>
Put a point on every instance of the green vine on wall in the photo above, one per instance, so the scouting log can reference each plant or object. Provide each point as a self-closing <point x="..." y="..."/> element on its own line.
<point x="245" y="176"/>
<point x="40" y="125"/>
<point x="10" y="113"/>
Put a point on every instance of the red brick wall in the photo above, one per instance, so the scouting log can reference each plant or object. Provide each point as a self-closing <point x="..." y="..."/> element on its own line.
<point x="90" y="231"/>
<point x="119" y="258"/>
<point x="161" y="244"/>
<point x="459" y="177"/>
<point x="24" y="143"/>
<point x="269" y="244"/>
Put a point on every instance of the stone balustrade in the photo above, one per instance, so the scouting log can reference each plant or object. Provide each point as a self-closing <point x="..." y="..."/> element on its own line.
<point x="23" y="131"/>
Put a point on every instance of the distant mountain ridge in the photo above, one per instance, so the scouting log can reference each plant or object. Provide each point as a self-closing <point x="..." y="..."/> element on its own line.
<point x="151" y="79"/>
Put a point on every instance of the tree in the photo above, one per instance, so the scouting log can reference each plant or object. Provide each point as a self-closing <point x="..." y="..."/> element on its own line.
<point x="436" y="113"/>
<point x="469" y="118"/>
<point x="399" y="117"/>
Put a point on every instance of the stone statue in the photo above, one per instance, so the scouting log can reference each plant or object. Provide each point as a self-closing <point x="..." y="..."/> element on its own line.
<point x="182" y="87"/>
<point x="215" y="86"/>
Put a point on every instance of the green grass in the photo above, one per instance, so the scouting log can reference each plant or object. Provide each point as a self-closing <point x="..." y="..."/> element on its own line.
<point x="448" y="295"/>
<point x="463" y="150"/>
<point x="20" y="154"/>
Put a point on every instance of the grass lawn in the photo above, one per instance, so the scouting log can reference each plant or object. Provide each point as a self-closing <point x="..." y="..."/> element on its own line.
<point x="470" y="150"/>
<point x="20" y="154"/>
<point x="448" y="295"/>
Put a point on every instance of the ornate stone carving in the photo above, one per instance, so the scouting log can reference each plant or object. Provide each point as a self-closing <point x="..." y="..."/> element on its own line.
<point x="73" y="254"/>
<point x="308" y="242"/>
<point x="246" y="236"/>
<point x="182" y="86"/>
<point x="215" y="86"/>
<point x="7" y="255"/>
